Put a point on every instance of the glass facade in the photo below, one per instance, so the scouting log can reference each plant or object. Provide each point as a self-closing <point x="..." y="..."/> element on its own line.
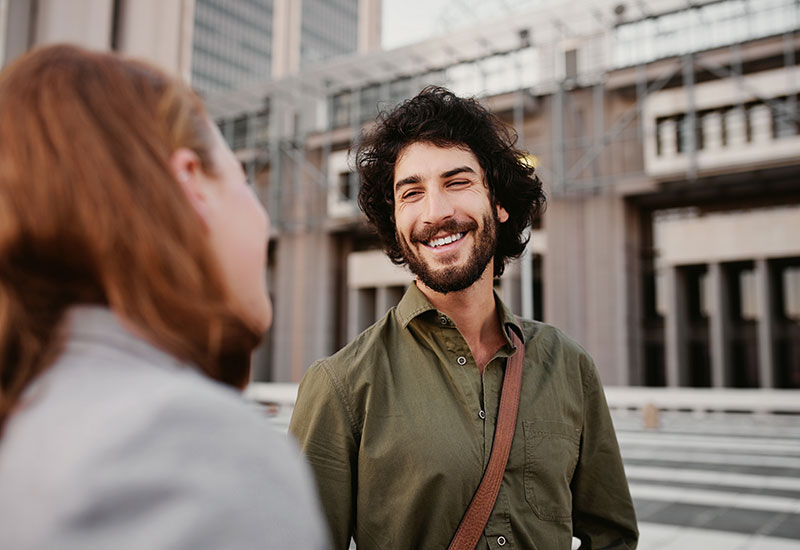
<point x="329" y="29"/>
<point x="701" y="28"/>
<point x="491" y="75"/>
<point x="232" y="44"/>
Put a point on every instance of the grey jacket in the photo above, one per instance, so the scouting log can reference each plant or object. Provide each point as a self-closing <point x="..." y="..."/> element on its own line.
<point x="119" y="446"/>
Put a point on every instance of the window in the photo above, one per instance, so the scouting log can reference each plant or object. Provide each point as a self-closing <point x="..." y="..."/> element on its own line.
<point x="368" y="103"/>
<point x="239" y="133"/>
<point x="341" y="104"/>
<point x="785" y="117"/>
<point x="345" y="185"/>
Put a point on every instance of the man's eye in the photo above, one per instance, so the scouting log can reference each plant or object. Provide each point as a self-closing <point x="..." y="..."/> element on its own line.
<point x="457" y="183"/>
<point x="410" y="195"/>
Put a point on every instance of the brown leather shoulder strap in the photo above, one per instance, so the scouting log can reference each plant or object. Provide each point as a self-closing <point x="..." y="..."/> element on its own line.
<point x="477" y="514"/>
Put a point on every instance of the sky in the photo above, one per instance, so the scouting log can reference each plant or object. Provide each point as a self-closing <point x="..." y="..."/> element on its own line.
<point x="408" y="21"/>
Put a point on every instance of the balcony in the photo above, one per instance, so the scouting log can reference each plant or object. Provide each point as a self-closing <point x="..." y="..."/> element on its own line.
<point x="736" y="124"/>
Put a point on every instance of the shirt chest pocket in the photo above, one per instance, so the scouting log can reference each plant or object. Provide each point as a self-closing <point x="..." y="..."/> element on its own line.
<point x="551" y="454"/>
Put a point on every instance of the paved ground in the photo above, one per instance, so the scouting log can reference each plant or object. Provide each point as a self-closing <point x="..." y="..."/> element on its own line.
<point x="727" y="482"/>
<point x="712" y="482"/>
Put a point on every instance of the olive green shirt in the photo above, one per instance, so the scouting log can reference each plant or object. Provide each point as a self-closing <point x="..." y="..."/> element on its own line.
<point x="398" y="428"/>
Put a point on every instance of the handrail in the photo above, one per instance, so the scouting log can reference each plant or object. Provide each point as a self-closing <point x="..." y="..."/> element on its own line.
<point x="755" y="400"/>
<point x="280" y="398"/>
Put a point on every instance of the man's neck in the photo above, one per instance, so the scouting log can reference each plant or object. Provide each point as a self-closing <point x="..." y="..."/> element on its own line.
<point x="474" y="312"/>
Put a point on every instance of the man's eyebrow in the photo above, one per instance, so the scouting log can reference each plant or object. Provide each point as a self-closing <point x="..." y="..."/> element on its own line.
<point x="407" y="181"/>
<point x="454" y="171"/>
<point x="444" y="175"/>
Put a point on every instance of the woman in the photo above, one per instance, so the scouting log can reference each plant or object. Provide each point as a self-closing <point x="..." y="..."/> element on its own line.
<point x="132" y="291"/>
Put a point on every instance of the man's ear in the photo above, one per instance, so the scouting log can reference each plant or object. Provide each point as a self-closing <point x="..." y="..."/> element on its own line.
<point x="502" y="215"/>
<point x="187" y="170"/>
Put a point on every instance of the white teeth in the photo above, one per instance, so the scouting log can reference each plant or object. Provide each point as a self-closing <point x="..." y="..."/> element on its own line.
<point x="445" y="240"/>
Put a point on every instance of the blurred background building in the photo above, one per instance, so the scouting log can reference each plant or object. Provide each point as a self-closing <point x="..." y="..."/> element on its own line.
<point x="158" y="31"/>
<point x="667" y="133"/>
<point x="240" y="43"/>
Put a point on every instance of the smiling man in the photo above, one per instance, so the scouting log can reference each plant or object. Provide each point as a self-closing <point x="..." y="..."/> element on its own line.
<point x="400" y="425"/>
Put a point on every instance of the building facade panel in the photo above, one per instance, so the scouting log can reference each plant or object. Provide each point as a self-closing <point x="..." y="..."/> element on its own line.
<point x="155" y="31"/>
<point x="670" y="166"/>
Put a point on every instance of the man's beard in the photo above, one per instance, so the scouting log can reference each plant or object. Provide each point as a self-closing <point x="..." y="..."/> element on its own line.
<point x="458" y="277"/>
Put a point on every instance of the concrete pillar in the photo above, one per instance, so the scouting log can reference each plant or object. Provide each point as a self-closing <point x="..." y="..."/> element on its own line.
<point x="668" y="138"/>
<point x="631" y="317"/>
<point x="526" y="283"/>
<point x="585" y="283"/>
<point x="386" y="297"/>
<point x="286" y="31"/>
<point x="374" y="285"/>
<point x="761" y="124"/>
<point x="720" y="326"/>
<point x="361" y="310"/>
<point x="383" y="301"/>
<point x="766" y="325"/>
<point x="3" y="30"/>
<point x="369" y="25"/>
<point x="676" y="326"/>
<point x="353" y="311"/>
<point x="712" y="131"/>
<point x="510" y="289"/>
<point x="565" y="291"/>
<point x="305" y="316"/>
<point x="15" y="27"/>
<point x="283" y="307"/>
<point x="160" y="32"/>
<point x="87" y="23"/>
<point x="261" y="365"/>
<point x="735" y="127"/>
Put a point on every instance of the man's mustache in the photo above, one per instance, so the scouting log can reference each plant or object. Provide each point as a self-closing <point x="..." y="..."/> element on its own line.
<point x="425" y="234"/>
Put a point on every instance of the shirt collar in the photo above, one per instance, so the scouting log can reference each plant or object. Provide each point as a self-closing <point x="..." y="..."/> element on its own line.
<point x="414" y="303"/>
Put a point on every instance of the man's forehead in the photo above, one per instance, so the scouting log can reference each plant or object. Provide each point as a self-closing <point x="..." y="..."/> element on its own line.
<point x="462" y="147"/>
<point x="423" y="157"/>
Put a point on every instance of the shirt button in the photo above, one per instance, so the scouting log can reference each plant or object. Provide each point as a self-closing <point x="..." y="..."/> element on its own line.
<point x="501" y="540"/>
<point x="482" y="414"/>
<point x="462" y="360"/>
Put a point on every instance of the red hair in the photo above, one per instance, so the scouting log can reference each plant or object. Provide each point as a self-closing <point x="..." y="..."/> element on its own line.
<point x="90" y="213"/>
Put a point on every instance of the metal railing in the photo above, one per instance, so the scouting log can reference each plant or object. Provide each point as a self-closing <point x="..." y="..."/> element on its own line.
<point x="279" y="399"/>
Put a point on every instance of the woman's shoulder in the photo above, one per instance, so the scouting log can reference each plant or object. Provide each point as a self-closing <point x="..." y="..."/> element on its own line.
<point x="115" y="431"/>
<point x="107" y="393"/>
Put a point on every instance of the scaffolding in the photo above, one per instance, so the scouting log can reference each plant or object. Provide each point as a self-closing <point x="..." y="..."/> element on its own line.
<point x="512" y="63"/>
<point x="611" y="98"/>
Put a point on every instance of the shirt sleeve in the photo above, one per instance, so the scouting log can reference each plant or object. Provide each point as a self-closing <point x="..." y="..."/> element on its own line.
<point x="602" y="509"/>
<point x="323" y="423"/>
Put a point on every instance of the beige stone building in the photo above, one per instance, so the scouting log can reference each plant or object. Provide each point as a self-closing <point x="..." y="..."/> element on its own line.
<point x="667" y="134"/>
<point x="158" y="31"/>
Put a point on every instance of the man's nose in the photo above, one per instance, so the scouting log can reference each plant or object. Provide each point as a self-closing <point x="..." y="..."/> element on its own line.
<point x="438" y="206"/>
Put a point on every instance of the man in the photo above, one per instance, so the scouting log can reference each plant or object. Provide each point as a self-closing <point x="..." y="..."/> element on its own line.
<point x="399" y="424"/>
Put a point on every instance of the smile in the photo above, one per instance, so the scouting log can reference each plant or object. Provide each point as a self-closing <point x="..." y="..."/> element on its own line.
<point x="441" y="241"/>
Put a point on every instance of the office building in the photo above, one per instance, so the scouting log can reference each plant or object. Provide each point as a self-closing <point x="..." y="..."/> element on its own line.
<point x="667" y="136"/>
<point x="238" y="44"/>
<point x="160" y="32"/>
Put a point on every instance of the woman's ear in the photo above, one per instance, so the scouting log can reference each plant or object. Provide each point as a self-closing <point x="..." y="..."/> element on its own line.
<point x="188" y="172"/>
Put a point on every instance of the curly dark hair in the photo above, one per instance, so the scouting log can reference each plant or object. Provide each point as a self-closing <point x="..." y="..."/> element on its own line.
<point x="439" y="117"/>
